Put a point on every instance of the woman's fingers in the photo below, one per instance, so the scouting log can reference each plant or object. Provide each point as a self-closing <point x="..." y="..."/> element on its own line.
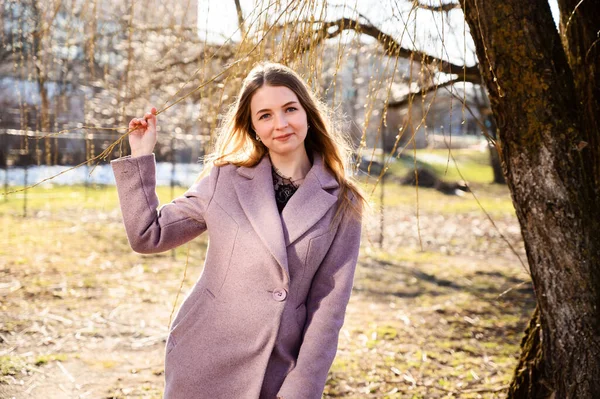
<point x="139" y="125"/>
<point x="151" y="118"/>
<point x="133" y="124"/>
<point x="142" y="137"/>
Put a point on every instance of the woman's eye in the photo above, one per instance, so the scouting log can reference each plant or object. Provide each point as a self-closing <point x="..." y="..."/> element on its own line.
<point x="263" y="116"/>
<point x="292" y="109"/>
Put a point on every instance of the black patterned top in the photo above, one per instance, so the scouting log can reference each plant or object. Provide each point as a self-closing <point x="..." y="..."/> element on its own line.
<point x="284" y="189"/>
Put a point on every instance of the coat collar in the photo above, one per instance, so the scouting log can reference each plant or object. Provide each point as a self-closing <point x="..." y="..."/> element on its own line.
<point x="305" y="208"/>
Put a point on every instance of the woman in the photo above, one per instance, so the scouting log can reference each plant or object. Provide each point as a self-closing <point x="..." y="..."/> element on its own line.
<point x="284" y="226"/>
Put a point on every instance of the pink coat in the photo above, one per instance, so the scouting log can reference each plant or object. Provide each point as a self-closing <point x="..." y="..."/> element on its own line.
<point x="263" y="318"/>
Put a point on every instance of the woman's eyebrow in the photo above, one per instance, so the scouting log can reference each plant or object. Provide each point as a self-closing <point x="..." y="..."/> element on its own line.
<point x="283" y="106"/>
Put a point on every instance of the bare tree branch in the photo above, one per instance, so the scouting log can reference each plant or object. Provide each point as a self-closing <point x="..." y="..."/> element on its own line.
<point x="440" y="8"/>
<point x="177" y="63"/>
<point x="331" y="29"/>
<point x="409" y="97"/>
<point x="223" y="54"/>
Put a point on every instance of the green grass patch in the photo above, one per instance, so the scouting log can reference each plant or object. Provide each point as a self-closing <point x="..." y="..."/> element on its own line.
<point x="472" y="166"/>
<point x="12" y="365"/>
<point x="493" y="199"/>
<point x="55" y="198"/>
<point x="45" y="359"/>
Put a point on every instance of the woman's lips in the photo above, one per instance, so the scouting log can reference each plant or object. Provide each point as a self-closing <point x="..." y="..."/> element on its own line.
<point x="284" y="137"/>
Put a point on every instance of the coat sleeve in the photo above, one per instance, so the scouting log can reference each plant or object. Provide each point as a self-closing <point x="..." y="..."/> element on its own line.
<point x="152" y="230"/>
<point x="326" y="308"/>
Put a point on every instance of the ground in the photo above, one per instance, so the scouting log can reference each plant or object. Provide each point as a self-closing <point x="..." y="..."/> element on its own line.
<point x="82" y="316"/>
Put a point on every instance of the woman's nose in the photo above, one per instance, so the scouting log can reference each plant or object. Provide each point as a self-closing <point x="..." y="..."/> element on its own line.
<point x="281" y="122"/>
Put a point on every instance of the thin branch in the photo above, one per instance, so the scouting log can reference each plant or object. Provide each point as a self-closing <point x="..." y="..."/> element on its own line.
<point x="440" y="8"/>
<point x="213" y="53"/>
<point x="409" y="97"/>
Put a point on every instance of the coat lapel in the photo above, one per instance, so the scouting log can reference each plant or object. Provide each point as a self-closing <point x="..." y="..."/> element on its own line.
<point x="310" y="202"/>
<point x="306" y="207"/>
<point x="256" y="194"/>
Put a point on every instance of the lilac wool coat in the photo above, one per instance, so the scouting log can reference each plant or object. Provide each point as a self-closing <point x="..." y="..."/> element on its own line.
<point x="263" y="318"/>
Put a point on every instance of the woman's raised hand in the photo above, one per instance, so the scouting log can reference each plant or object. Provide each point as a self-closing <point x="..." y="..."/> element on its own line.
<point x="142" y="135"/>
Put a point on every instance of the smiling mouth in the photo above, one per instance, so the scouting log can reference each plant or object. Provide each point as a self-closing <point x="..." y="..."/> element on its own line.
<point x="283" y="136"/>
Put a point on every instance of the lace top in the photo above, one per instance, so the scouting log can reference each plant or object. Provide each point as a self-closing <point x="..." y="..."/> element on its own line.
<point x="284" y="189"/>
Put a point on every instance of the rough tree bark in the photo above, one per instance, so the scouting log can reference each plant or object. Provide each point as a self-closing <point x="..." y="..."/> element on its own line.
<point x="482" y="102"/>
<point x="495" y="160"/>
<point x="545" y="96"/>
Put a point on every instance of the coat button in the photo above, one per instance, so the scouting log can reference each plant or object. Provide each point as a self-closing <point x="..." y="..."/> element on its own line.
<point x="279" y="294"/>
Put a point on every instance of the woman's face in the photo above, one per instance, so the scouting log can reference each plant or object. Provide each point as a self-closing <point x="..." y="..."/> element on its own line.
<point x="279" y="119"/>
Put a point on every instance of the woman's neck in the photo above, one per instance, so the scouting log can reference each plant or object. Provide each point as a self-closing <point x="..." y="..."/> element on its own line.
<point x="294" y="166"/>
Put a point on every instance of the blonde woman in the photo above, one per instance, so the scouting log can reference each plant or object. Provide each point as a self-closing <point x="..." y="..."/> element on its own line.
<point x="284" y="226"/>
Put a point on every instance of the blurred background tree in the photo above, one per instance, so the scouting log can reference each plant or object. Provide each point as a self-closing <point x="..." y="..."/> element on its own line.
<point x="102" y="62"/>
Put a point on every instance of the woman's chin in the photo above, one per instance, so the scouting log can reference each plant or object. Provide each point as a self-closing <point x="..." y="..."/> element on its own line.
<point x="286" y="149"/>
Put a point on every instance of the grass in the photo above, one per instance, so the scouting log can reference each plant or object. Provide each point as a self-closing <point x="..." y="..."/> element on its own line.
<point x="45" y="359"/>
<point x="429" y="323"/>
<point x="471" y="165"/>
<point x="494" y="200"/>
<point x="50" y="198"/>
<point x="11" y="365"/>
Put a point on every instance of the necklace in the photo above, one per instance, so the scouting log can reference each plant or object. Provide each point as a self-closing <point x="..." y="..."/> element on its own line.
<point x="278" y="172"/>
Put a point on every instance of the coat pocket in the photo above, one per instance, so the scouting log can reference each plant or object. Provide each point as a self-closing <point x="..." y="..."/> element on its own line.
<point x="195" y="314"/>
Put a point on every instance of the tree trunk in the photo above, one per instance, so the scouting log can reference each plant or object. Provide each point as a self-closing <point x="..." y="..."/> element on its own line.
<point x="40" y="58"/>
<point x="495" y="160"/>
<point x="547" y="110"/>
<point x="496" y="163"/>
<point x="529" y="380"/>
<point x="581" y="20"/>
<point x="489" y="123"/>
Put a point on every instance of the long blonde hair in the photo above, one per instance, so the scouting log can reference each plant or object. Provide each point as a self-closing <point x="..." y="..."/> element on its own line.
<point x="236" y="144"/>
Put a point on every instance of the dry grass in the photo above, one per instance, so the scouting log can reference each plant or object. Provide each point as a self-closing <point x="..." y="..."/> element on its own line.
<point x="84" y="316"/>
